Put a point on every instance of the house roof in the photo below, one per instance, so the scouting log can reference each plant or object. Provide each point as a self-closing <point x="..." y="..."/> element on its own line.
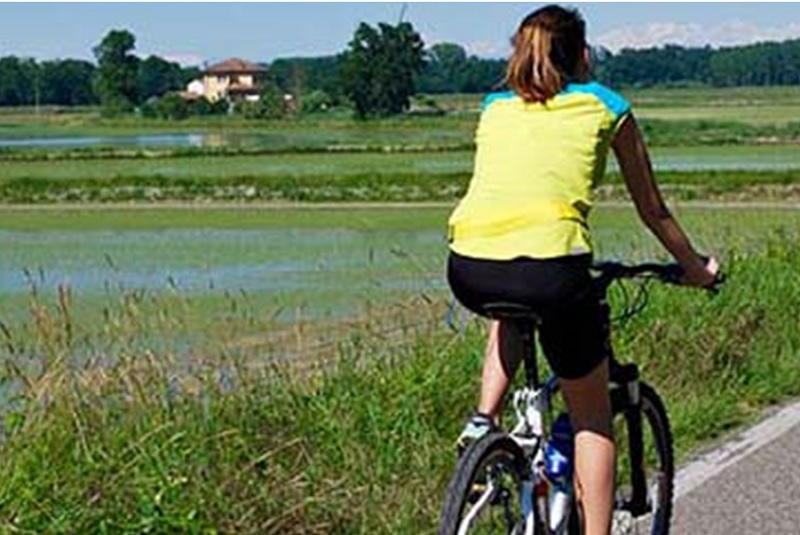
<point x="234" y="66"/>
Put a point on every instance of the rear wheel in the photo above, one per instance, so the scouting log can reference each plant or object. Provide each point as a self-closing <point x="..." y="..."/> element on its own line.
<point x="484" y="496"/>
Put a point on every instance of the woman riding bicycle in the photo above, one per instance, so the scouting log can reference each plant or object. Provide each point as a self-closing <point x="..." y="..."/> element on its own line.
<point x="520" y="234"/>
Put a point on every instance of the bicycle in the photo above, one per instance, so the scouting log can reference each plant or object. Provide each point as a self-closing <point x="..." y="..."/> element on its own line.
<point x="499" y="485"/>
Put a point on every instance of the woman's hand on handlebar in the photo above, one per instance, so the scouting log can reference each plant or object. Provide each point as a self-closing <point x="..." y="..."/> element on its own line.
<point x="703" y="274"/>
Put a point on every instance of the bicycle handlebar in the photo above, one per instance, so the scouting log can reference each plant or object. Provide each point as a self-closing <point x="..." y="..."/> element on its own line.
<point x="670" y="273"/>
<point x="610" y="272"/>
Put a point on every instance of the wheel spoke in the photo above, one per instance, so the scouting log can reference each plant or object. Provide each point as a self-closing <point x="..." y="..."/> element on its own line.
<point x="484" y="497"/>
<point x="475" y="510"/>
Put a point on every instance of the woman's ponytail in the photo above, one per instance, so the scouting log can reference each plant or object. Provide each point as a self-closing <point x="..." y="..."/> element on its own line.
<point x="548" y="49"/>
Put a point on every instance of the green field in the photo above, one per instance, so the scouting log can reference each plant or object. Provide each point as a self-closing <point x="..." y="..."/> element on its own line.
<point x="754" y="107"/>
<point x="281" y="263"/>
<point x="225" y="168"/>
<point x="335" y="158"/>
<point x="749" y="105"/>
<point x="186" y="348"/>
<point x="348" y="164"/>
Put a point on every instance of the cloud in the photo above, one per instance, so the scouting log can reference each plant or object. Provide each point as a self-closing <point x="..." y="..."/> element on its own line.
<point x="728" y="33"/>
<point x="186" y="60"/>
<point x="484" y="49"/>
<point x="487" y="49"/>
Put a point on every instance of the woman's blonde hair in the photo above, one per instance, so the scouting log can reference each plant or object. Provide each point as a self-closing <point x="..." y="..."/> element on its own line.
<point x="548" y="52"/>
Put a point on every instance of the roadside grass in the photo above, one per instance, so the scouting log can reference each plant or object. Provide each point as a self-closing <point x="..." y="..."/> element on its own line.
<point x="731" y="355"/>
<point x="220" y="440"/>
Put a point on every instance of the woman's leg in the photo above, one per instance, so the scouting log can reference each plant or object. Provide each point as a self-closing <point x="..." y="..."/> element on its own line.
<point x="589" y="406"/>
<point x="503" y="355"/>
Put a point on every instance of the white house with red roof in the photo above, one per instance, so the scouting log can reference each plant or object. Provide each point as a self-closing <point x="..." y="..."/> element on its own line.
<point x="233" y="79"/>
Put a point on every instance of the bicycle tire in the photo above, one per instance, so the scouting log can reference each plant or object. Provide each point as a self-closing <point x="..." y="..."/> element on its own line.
<point x="659" y="469"/>
<point x="488" y="477"/>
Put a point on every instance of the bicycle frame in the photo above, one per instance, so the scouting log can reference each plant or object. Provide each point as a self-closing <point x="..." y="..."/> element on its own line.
<point x="533" y="406"/>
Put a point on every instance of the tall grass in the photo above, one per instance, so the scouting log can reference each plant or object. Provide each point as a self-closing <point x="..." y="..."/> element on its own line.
<point x="220" y="441"/>
<point x="215" y="441"/>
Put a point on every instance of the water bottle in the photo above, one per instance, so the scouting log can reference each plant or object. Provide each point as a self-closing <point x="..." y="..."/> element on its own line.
<point x="558" y="465"/>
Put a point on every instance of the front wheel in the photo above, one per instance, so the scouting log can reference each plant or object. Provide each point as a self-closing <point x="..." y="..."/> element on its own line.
<point x="484" y="495"/>
<point x="645" y="468"/>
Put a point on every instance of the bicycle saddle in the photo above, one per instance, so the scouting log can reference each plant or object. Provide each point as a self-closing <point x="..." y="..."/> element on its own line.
<point x="509" y="311"/>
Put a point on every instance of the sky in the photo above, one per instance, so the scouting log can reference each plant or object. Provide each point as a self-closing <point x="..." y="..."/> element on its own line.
<point x="194" y="33"/>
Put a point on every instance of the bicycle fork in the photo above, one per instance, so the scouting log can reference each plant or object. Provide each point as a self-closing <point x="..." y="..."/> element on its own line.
<point x="633" y="417"/>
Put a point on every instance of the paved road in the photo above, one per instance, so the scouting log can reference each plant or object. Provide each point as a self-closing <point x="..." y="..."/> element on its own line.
<point x="750" y="485"/>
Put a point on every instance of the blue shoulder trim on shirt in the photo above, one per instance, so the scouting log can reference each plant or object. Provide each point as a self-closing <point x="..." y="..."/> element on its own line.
<point x="492" y="97"/>
<point x="615" y="102"/>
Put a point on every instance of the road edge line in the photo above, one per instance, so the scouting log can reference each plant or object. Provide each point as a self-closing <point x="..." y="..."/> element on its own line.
<point x="709" y="464"/>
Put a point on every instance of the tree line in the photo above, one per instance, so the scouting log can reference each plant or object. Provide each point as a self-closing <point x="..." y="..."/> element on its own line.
<point x="75" y="82"/>
<point x="759" y="64"/>
<point x="449" y="69"/>
<point x="381" y="68"/>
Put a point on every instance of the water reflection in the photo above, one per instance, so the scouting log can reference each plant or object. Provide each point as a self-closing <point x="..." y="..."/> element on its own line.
<point x="154" y="140"/>
<point x="167" y="140"/>
<point x="203" y="260"/>
<point x="723" y="158"/>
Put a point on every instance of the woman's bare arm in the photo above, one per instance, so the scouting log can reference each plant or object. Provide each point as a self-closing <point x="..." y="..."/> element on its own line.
<point x="634" y="163"/>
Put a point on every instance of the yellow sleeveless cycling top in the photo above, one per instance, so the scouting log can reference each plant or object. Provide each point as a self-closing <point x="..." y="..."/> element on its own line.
<point x="536" y="165"/>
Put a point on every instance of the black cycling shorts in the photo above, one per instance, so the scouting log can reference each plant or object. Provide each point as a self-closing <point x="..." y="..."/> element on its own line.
<point x="573" y="333"/>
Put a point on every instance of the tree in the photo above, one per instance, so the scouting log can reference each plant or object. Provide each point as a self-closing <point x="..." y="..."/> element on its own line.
<point x="482" y="75"/>
<point x="445" y="69"/>
<point x="270" y="104"/>
<point x="116" y="81"/>
<point x="318" y="74"/>
<point x="157" y="77"/>
<point x="67" y="82"/>
<point x="190" y="73"/>
<point x="18" y="81"/>
<point x="170" y="106"/>
<point x="316" y="101"/>
<point x="380" y="67"/>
